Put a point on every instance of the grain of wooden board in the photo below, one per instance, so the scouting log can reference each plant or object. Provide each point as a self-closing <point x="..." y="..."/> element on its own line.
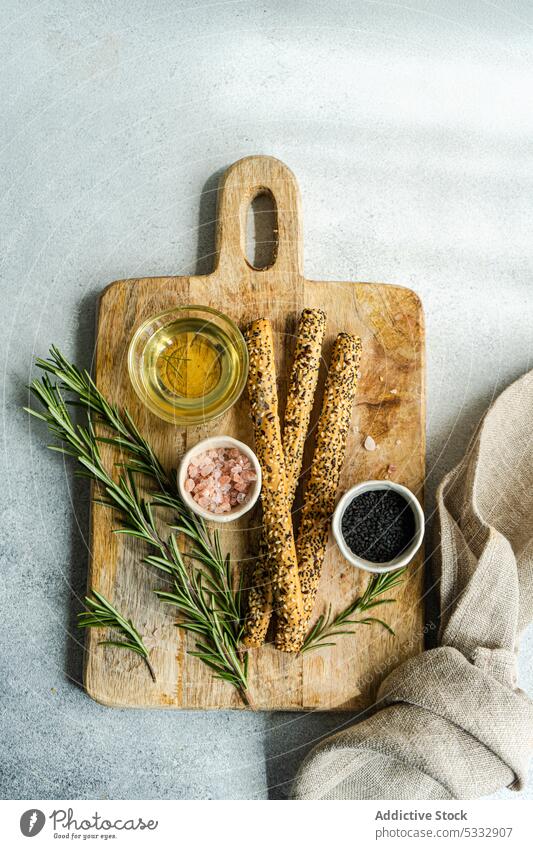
<point x="390" y="406"/>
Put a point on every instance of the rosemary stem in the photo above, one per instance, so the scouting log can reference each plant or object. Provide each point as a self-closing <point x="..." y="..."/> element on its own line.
<point x="150" y="668"/>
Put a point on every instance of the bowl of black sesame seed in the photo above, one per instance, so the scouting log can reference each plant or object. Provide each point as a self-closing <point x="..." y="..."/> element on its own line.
<point x="378" y="526"/>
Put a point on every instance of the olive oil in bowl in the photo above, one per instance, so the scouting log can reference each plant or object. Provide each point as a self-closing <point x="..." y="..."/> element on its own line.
<point x="189" y="364"/>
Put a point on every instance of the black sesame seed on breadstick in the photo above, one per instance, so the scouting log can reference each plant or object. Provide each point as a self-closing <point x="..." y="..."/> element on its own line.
<point x="277" y="524"/>
<point x="300" y="398"/>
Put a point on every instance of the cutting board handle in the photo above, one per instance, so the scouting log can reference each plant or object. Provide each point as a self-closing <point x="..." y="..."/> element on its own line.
<point x="241" y="183"/>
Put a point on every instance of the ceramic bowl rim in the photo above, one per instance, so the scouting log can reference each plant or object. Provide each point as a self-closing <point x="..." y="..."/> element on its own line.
<point x="406" y="556"/>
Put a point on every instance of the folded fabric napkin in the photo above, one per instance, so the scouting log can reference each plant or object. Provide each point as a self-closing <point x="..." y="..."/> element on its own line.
<point x="451" y="723"/>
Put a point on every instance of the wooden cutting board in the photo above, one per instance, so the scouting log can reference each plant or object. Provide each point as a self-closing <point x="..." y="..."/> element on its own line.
<point x="390" y="406"/>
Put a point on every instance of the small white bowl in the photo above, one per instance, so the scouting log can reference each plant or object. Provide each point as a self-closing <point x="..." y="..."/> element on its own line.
<point x="407" y="555"/>
<point x="206" y="445"/>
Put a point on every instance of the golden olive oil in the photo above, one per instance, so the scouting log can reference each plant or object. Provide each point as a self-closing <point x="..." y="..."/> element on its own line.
<point x="191" y="364"/>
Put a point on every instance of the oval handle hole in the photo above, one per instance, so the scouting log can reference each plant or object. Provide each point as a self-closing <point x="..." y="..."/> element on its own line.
<point x="262" y="230"/>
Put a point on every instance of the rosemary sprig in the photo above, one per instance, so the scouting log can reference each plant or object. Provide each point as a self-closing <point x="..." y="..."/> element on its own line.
<point x="127" y="437"/>
<point x="142" y="459"/>
<point x="326" y="627"/>
<point x="100" y="613"/>
<point x="203" y="590"/>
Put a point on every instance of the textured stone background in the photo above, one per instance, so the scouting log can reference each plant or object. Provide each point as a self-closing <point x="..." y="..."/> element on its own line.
<point x="409" y="130"/>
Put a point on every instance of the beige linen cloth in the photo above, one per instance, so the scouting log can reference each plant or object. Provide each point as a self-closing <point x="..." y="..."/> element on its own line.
<point x="450" y="723"/>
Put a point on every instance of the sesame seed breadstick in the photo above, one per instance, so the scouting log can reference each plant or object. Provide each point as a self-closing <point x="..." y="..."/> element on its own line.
<point x="301" y="394"/>
<point x="321" y="490"/>
<point x="300" y="398"/>
<point x="277" y="524"/>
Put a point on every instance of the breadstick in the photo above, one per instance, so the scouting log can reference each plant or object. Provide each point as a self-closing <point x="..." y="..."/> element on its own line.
<point x="300" y="397"/>
<point x="301" y="393"/>
<point x="277" y="524"/>
<point x="330" y="448"/>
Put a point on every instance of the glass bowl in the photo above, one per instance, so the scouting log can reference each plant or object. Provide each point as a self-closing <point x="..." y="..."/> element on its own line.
<point x="188" y="364"/>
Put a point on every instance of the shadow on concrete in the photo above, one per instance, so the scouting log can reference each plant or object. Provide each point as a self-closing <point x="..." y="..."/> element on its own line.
<point x="80" y="490"/>
<point x="206" y="255"/>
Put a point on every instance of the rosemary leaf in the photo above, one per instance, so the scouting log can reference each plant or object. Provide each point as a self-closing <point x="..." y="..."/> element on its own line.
<point x="100" y="613"/>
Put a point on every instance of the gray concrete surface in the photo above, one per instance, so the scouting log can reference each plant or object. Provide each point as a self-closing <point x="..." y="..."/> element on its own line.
<point x="409" y="129"/>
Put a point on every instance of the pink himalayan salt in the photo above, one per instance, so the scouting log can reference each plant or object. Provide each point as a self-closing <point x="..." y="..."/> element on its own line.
<point x="220" y="479"/>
